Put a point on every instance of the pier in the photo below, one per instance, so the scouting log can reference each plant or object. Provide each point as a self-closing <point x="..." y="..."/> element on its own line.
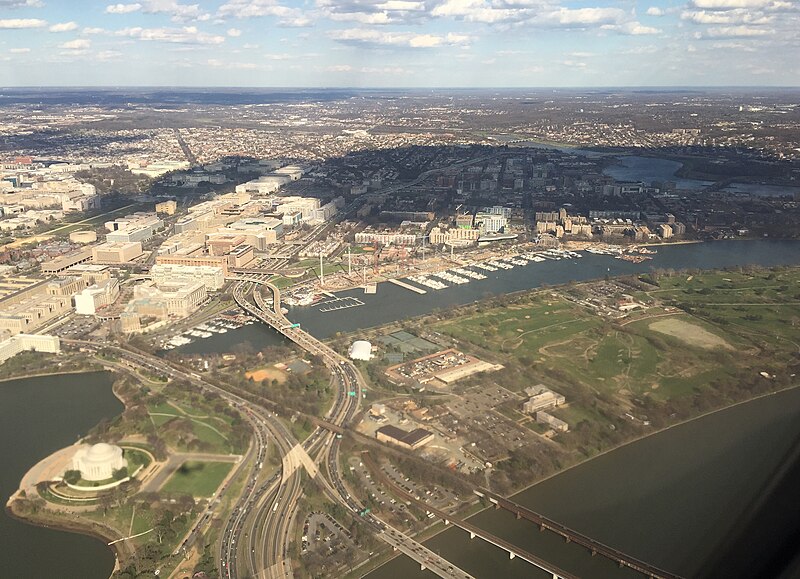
<point x="340" y="304"/>
<point x="403" y="284"/>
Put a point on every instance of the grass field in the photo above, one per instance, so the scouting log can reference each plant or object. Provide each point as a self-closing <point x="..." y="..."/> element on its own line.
<point x="197" y="478"/>
<point x="725" y="324"/>
<point x="186" y="424"/>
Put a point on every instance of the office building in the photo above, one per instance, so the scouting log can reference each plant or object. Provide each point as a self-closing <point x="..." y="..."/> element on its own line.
<point x="116" y="253"/>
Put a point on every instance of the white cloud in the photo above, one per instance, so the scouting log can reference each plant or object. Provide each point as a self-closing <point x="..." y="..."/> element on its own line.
<point x="339" y="68"/>
<point x="17" y="23"/>
<point x="728" y="45"/>
<point x="185" y="35"/>
<point x="587" y="16"/>
<point x="649" y="49"/>
<point x="655" y="11"/>
<point x="361" y="17"/>
<point x="528" y="12"/>
<point x="77" y="44"/>
<point x="638" y="29"/>
<point x="108" y="55"/>
<point x="401" y="5"/>
<point x="372" y="12"/>
<point x="179" y="12"/>
<point x="242" y="9"/>
<point x="394" y="70"/>
<point x="234" y="32"/>
<point x="123" y="8"/>
<point x="19" y="50"/>
<point x="217" y="63"/>
<point x="728" y="4"/>
<point x="63" y="27"/>
<point x="398" y="39"/>
<point x="734" y="16"/>
<point x="93" y="30"/>
<point x="296" y="22"/>
<point x="735" y="32"/>
<point x="21" y="4"/>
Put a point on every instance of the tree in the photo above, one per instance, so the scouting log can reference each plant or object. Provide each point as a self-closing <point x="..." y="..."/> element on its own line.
<point x="72" y="476"/>
<point x="120" y="473"/>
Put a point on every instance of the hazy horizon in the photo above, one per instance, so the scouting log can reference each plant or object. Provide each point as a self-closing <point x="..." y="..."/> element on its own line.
<point x="402" y="43"/>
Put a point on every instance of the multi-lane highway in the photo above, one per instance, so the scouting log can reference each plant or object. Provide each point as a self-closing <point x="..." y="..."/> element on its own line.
<point x="323" y="444"/>
<point x="257" y="534"/>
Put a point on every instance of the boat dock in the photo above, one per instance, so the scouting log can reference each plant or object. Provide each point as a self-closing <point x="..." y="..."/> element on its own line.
<point x="408" y="286"/>
<point x="340" y="304"/>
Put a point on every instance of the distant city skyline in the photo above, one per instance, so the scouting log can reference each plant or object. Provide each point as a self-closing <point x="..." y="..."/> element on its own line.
<point x="400" y="43"/>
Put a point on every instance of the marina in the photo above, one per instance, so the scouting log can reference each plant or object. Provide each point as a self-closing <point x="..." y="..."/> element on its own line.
<point x="220" y="325"/>
<point x="407" y="286"/>
<point x="339" y="304"/>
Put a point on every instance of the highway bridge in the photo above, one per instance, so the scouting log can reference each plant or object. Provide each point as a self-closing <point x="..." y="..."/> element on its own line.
<point x="572" y="536"/>
<point x="513" y="550"/>
<point x="323" y="444"/>
<point x="275" y="318"/>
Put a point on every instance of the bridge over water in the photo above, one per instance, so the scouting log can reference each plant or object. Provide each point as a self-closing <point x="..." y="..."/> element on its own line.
<point x="572" y="536"/>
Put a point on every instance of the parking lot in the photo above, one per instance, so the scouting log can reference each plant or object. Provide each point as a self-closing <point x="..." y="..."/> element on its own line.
<point x="438" y="497"/>
<point x="322" y="534"/>
<point x="77" y="327"/>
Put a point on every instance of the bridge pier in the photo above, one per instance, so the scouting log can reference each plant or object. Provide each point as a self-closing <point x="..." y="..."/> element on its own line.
<point x="446" y="522"/>
<point x="471" y="535"/>
<point x="519" y="515"/>
<point x="511" y="554"/>
<point x="422" y="567"/>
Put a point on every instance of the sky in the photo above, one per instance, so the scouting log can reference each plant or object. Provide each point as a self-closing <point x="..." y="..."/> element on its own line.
<point x="400" y="43"/>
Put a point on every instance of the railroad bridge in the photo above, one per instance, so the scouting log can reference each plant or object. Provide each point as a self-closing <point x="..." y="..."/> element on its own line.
<point x="572" y="536"/>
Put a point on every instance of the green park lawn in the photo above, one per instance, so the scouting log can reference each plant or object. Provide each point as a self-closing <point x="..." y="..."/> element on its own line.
<point x="562" y="344"/>
<point x="200" y="479"/>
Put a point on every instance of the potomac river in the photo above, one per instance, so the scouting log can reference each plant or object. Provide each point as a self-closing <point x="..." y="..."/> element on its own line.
<point x="37" y="417"/>
<point x="708" y="467"/>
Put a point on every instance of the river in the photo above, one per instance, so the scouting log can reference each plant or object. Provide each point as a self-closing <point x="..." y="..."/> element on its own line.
<point x="37" y="417"/>
<point x="632" y="168"/>
<point x="74" y="403"/>
<point x="670" y="511"/>
<point x="392" y="303"/>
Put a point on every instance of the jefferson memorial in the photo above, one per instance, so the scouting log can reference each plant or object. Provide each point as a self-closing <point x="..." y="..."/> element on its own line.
<point x="99" y="461"/>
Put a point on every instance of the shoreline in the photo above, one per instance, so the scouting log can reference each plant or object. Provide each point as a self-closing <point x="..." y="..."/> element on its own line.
<point x="45" y="374"/>
<point x="654" y="433"/>
<point x="89" y="530"/>
<point x="77" y="525"/>
<point x="607" y="451"/>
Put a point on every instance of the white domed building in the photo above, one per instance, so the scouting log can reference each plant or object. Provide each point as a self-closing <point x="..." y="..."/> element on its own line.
<point x="99" y="461"/>
<point x="360" y="350"/>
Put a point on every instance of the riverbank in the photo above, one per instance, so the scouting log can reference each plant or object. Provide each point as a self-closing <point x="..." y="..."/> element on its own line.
<point x="23" y="373"/>
<point x="669" y="500"/>
<point x="78" y="526"/>
<point x="651" y="434"/>
<point x="471" y="512"/>
<point x="39" y="415"/>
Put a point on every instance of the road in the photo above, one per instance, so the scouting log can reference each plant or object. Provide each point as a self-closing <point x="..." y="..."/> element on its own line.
<point x="260" y="526"/>
<point x="322" y="444"/>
